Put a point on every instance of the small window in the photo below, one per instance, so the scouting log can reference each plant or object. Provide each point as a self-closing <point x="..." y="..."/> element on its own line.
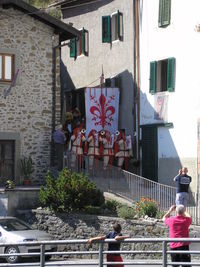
<point x="162" y="76"/>
<point x="112" y="27"/>
<point x="80" y="46"/>
<point x="6" y="67"/>
<point x="164" y="13"/>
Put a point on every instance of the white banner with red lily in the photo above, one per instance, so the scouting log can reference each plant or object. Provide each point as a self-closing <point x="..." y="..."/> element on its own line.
<point x="102" y="107"/>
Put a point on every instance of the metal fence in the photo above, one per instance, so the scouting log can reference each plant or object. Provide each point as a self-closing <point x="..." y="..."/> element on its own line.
<point x="130" y="185"/>
<point x="154" y="252"/>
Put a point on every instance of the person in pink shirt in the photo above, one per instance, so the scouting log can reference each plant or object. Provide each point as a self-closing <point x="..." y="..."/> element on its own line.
<point x="178" y="228"/>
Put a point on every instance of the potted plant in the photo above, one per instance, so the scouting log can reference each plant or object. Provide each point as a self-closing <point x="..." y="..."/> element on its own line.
<point x="27" y="169"/>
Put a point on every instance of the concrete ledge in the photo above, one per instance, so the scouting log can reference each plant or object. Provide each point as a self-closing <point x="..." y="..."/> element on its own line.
<point x="18" y="198"/>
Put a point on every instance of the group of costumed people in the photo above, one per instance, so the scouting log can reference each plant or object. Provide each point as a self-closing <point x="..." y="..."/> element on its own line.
<point x="100" y="145"/>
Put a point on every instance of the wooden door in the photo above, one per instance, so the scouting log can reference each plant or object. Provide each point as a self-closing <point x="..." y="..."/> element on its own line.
<point x="150" y="153"/>
<point x="6" y="161"/>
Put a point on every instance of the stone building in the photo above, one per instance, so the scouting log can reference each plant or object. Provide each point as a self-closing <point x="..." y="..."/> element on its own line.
<point x="30" y="86"/>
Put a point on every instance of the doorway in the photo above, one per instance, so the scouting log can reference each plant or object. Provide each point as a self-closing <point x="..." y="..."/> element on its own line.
<point x="150" y="153"/>
<point x="7" y="152"/>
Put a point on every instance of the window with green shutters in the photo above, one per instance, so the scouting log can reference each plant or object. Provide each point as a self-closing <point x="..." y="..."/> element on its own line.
<point x="162" y="76"/>
<point x="79" y="46"/>
<point x="112" y="27"/>
<point x="164" y="13"/>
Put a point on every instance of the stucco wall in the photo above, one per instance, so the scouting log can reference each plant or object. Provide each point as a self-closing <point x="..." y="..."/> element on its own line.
<point x="28" y="109"/>
<point x="116" y="58"/>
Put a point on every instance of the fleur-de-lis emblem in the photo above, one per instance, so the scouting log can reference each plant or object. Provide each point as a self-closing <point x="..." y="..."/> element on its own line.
<point x="102" y="111"/>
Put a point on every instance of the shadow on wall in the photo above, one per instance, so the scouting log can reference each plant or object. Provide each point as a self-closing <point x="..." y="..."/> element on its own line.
<point x="70" y="12"/>
<point x="160" y="147"/>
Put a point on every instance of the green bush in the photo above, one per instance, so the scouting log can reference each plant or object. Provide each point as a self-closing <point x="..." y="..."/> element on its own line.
<point x="111" y="205"/>
<point x="126" y="212"/>
<point x="70" y="192"/>
<point x="93" y="210"/>
<point x="147" y="207"/>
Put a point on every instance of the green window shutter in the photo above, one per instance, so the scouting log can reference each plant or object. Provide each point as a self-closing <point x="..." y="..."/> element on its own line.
<point x="83" y="41"/>
<point x="73" y="47"/>
<point x="171" y="74"/>
<point x="164" y="13"/>
<point x="152" y="83"/>
<point x="106" y="29"/>
<point x="119" y="25"/>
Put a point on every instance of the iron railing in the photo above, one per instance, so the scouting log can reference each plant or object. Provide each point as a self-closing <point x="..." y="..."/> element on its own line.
<point x="130" y="185"/>
<point x="147" y="256"/>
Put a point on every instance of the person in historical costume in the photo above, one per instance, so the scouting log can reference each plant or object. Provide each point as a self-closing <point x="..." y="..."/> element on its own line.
<point x="76" y="146"/>
<point x="121" y="150"/>
<point x="105" y="140"/>
<point x="67" y="127"/>
<point x="93" y="147"/>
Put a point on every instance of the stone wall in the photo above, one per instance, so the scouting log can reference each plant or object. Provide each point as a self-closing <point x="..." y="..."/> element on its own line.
<point x="73" y="226"/>
<point x="27" y="111"/>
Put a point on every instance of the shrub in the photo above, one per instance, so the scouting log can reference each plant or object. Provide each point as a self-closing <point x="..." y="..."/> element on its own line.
<point x="93" y="210"/>
<point x="111" y="205"/>
<point x="126" y="212"/>
<point x="147" y="206"/>
<point x="70" y="192"/>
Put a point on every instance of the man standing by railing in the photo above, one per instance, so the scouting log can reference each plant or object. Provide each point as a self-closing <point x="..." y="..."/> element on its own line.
<point x="178" y="228"/>
<point x="182" y="186"/>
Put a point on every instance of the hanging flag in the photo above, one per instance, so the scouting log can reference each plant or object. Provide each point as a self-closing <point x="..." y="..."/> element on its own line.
<point x="13" y="83"/>
<point x="102" y="106"/>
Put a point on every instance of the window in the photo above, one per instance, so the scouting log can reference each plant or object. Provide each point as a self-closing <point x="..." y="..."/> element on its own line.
<point x="164" y="13"/>
<point x="6" y="67"/>
<point x="112" y="27"/>
<point x="79" y="46"/>
<point x="162" y="76"/>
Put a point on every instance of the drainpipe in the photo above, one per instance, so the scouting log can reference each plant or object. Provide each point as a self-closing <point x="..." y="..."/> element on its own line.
<point x="137" y="74"/>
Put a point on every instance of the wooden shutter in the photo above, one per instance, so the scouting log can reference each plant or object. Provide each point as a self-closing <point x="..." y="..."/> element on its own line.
<point x="171" y="74"/>
<point x="106" y="29"/>
<point x="119" y="25"/>
<point x="83" y="41"/>
<point x="164" y="13"/>
<point x="73" y="47"/>
<point x="152" y="82"/>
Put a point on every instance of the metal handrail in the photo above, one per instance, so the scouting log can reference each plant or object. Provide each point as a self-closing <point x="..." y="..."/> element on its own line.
<point x="131" y="186"/>
<point x="164" y="252"/>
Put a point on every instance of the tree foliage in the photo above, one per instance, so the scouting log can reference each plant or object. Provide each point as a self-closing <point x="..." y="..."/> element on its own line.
<point x="44" y="4"/>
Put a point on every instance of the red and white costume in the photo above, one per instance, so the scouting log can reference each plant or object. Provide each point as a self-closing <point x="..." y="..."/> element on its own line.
<point x="122" y="152"/>
<point x="105" y="139"/>
<point x="93" y="147"/>
<point x="76" y="146"/>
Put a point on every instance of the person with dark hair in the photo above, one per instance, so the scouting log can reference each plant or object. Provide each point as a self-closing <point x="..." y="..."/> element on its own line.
<point x="59" y="139"/>
<point x="183" y="181"/>
<point x="112" y="246"/>
<point x="178" y="228"/>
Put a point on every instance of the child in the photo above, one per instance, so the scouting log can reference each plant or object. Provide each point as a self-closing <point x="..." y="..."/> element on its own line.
<point x="113" y="246"/>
